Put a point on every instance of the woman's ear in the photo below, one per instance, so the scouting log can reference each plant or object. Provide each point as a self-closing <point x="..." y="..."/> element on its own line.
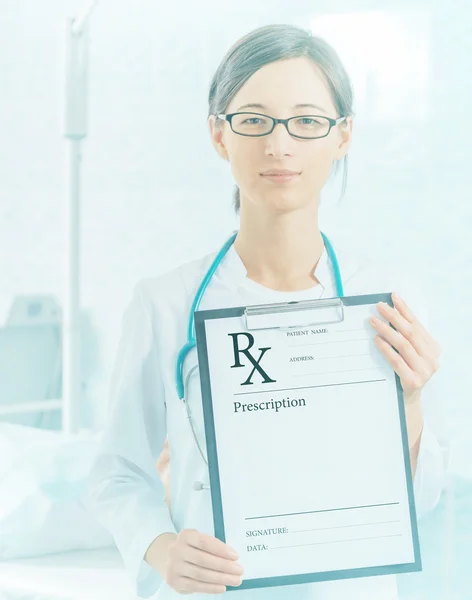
<point x="345" y="137"/>
<point x="216" y="134"/>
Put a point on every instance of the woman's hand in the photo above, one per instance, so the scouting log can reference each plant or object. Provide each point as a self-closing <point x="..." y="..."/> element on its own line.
<point x="418" y="353"/>
<point x="194" y="562"/>
<point x="201" y="563"/>
<point x="191" y="561"/>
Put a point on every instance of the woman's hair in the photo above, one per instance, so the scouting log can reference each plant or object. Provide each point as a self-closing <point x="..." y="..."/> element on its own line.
<point x="266" y="45"/>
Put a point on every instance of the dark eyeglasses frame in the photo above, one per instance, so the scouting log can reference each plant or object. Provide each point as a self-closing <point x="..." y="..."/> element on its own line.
<point x="332" y="123"/>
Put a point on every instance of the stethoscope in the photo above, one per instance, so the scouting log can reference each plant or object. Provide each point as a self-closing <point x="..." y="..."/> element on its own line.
<point x="191" y="342"/>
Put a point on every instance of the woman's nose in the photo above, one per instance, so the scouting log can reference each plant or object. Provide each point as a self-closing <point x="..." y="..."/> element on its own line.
<point x="279" y="142"/>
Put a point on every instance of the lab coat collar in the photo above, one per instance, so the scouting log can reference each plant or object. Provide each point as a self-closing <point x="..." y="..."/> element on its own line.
<point x="234" y="271"/>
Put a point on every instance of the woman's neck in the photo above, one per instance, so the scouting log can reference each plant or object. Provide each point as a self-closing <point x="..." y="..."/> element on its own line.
<point x="280" y="251"/>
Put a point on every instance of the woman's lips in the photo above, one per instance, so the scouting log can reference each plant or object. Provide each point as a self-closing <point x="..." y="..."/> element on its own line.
<point x="282" y="178"/>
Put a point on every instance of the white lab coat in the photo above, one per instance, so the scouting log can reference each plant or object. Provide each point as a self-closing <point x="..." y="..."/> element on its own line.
<point x="125" y="492"/>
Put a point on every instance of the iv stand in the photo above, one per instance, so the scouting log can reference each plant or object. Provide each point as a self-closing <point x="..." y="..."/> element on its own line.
<point x="75" y="130"/>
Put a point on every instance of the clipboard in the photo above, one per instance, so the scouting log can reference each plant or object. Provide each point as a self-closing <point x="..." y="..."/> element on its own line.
<point x="292" y="318"/>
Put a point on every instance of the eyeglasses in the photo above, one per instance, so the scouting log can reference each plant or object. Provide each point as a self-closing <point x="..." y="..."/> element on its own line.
<point x="307" y="127"/>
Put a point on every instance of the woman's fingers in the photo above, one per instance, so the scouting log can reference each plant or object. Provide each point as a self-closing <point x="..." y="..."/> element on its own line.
<point x="201" y="563"/>
<point x="210" y="576"/>
<point x="210" y="561"/>
<point x="186" y="585"/>
<point x="408" y="346"/>
<point x="210" y="544"/>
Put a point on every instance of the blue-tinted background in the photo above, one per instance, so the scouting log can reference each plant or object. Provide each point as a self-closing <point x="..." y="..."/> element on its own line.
<point x="155" y="194"/>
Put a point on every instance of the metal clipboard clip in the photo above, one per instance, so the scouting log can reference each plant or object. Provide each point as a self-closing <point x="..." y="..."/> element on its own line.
<point x="295" y="314"/>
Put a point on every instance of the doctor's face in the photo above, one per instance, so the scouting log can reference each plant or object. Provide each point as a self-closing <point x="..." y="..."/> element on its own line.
<point x="276" y="89"/>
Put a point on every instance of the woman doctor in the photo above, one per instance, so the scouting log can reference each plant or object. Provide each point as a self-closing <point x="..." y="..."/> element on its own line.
<point x="280" y="112"/>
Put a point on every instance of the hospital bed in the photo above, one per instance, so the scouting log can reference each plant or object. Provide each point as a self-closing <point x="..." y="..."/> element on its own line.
<point x="51" y="547"/>
<point x="83" y="575"/>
